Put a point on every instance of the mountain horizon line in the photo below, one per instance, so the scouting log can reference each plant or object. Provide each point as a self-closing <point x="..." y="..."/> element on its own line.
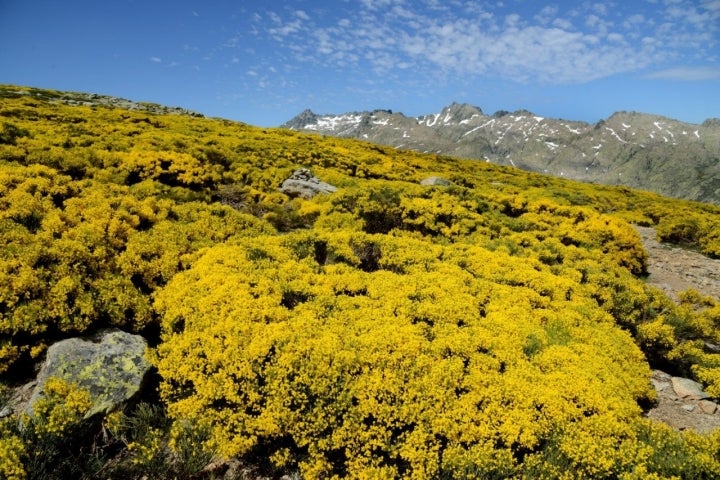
<point x="497" y="113"/>
<point x="640" y="150"/>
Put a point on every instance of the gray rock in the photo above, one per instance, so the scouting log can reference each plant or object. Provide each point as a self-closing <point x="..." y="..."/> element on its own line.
<point x="303" y="184"/>
<point x="688" y="389"/>
<point x="660" y="380"/>
<point x="688" y="408"/>
<point x="111" y="366"/>
<point x="435" y="181"/>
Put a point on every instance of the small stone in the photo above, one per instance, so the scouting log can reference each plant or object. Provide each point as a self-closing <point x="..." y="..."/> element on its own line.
<point x="6" y="411"/>
<point x="688" y="389"/>
<point x="688" y="408"/>
<point x="435" y="181"/>
<point x="708" y="407"/>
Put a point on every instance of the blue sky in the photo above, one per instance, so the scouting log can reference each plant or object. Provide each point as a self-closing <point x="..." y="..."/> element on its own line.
<point x="262" y="62"/>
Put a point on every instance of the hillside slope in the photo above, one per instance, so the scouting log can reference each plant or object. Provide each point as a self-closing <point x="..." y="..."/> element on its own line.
<point x="428" y="317"/>
<point x="632" y="149"/>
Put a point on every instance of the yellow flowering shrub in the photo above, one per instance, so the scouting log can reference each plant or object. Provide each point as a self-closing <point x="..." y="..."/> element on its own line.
<point x="12" y="452"/>
<point x="114" y="422"/>
<point x="62" y="406"/>
<point x="77" y="257"/>
<point x="148" y="449"/>
<point x="361" y="373"/>
<point x="31" y="445"/>
<point x="690" y="227"/>
<point x="497" y="327"/>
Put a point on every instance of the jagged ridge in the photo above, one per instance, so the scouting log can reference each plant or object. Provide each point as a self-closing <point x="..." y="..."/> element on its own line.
<point x="628" y="148"/>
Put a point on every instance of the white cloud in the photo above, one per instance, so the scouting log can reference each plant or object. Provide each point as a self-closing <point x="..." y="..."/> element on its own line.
<point x="562" y="23"/>
<point x="553" y="46"/>
<point x="713" y="7"/>
<point x="633" y="21"/>
<point x="689" y="14"/>
<point x="597" y="23"/>
<point x="156" y="59"/>
<point x="547" y="14"/>
<point x="600" y="9"/>
<point x="286" y="29"/>
<point x="402" y="12"/>
<point x="687" y="74"/>
<point x="512" y="20"/>
<point x="378" y="4"/>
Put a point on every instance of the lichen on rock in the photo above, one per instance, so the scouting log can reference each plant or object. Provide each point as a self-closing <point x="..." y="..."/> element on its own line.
<point x="111" y="366"/>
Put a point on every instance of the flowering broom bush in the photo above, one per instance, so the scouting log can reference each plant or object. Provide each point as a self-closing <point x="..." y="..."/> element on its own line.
<point x="433" y="369"/>
<point x="488" y="329"/>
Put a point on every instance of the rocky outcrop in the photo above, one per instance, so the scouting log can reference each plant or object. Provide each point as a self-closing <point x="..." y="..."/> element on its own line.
<point x="683" y="404"/>
<point x="303" y="184"/>
<point x="111" y="366"/>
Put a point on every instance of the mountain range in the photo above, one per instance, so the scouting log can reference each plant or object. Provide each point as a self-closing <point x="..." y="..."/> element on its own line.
<point x="637" y="150"/>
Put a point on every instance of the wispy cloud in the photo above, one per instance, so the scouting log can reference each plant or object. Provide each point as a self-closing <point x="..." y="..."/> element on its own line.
<point x="549" y="45"/>
<point x="687" y="74"/>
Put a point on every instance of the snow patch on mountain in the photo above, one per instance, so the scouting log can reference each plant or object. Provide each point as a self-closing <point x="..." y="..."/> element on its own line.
<point x="334" y="123"/>
<point x="581" y="150"/>
<point x="614" y="134"/>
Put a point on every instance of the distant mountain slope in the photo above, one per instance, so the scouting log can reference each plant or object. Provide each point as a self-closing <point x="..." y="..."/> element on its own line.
<point x="633" y="149"/>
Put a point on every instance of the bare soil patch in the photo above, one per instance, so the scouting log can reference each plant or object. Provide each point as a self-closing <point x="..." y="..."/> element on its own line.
<point x="673" y="270"/>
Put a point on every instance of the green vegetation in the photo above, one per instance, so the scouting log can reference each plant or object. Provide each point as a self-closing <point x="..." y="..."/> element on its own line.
<point x="496" y="328"/>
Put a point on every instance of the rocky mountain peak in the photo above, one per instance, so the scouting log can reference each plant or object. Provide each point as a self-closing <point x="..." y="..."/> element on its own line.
<point x="454" y="114"/>
<point x="463" y="111"/>
<point x="628" y="148"/>
<point x="306" y="117"/>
